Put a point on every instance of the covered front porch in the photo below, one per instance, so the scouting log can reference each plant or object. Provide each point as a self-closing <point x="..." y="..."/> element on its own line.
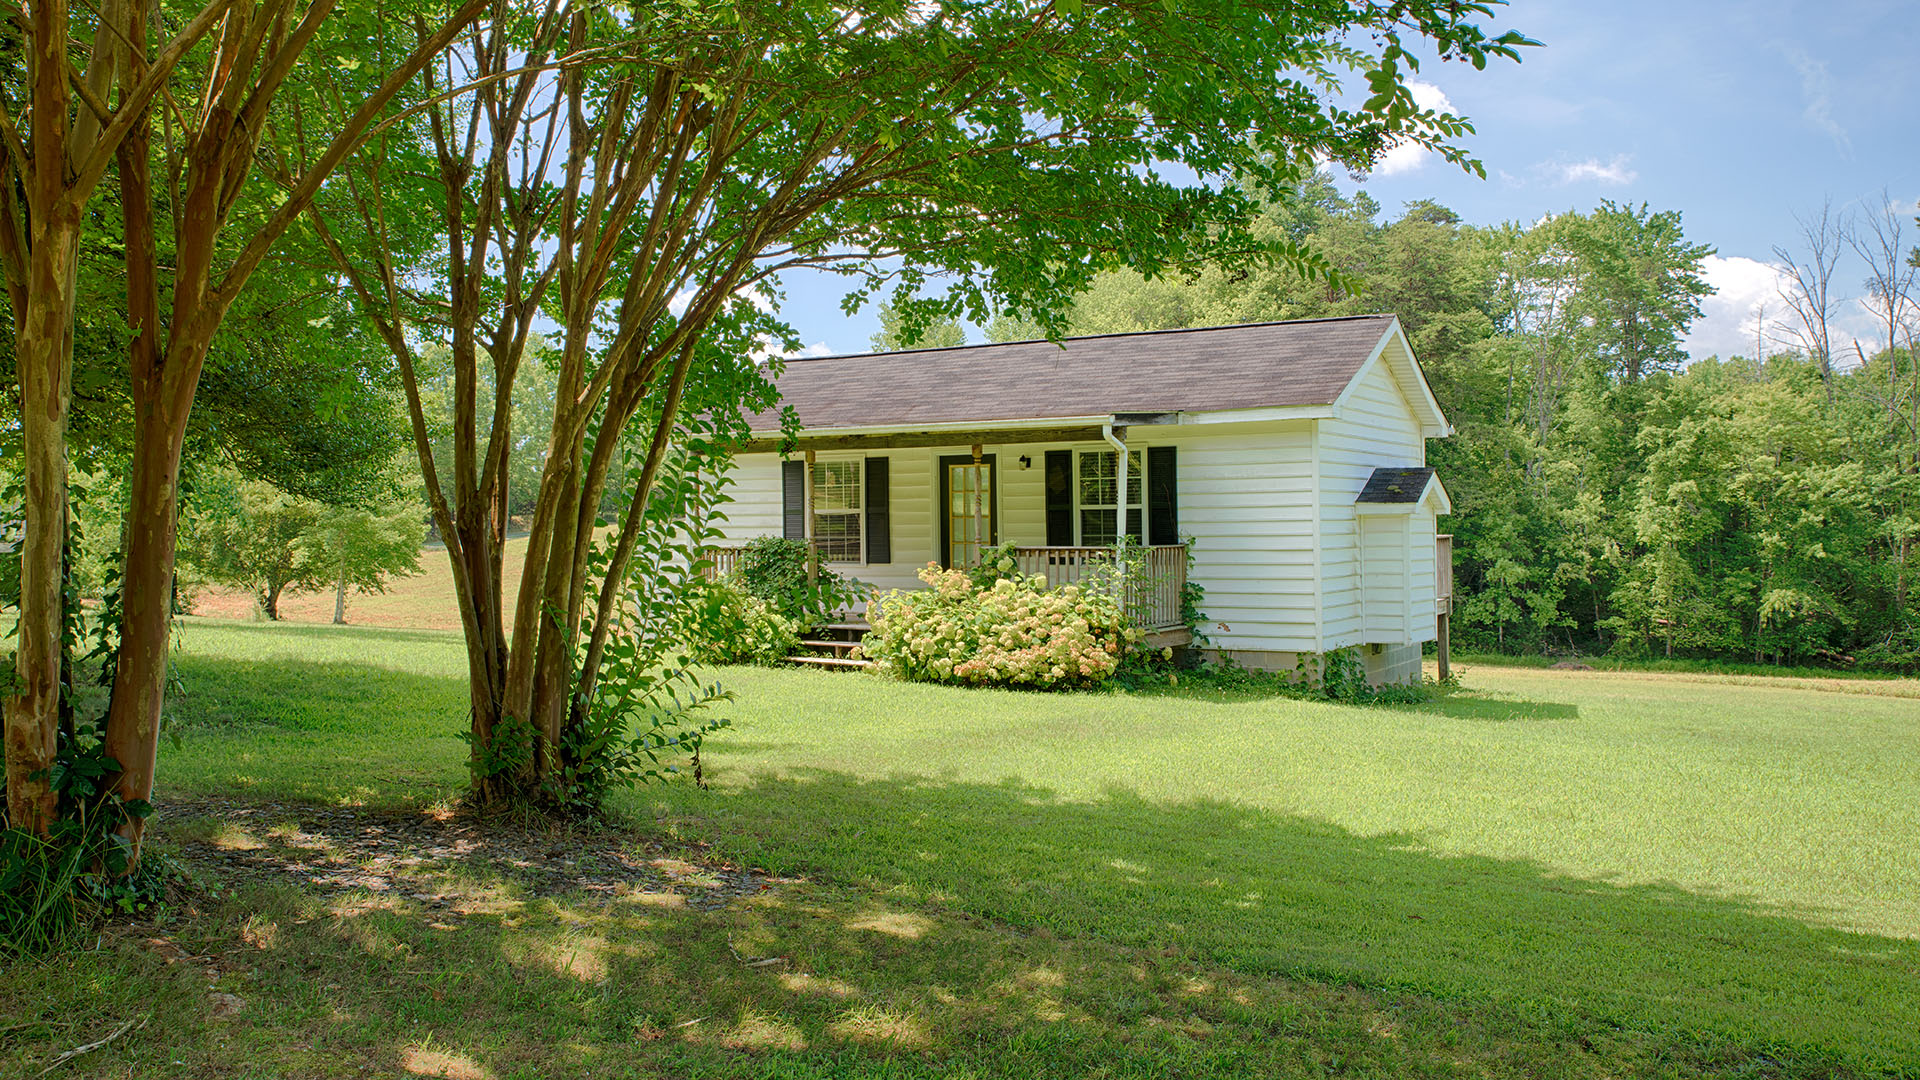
<point x="877" y="507"/>
<point x="1151" y="600"/>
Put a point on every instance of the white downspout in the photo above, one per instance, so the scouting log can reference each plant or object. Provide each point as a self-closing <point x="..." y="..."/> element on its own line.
<point x="1119" y="445"/>
<point x="1120" y="456"/>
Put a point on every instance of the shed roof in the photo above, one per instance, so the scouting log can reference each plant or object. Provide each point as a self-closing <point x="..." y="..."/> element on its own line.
<point x="1303" y="362"/>
<point x="1396" y="485"/>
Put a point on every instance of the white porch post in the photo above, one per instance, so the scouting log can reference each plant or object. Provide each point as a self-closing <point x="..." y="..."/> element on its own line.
<point x="1117" y="438"/>
<point x="806" y="524"/>
<point x="980" y="519"/>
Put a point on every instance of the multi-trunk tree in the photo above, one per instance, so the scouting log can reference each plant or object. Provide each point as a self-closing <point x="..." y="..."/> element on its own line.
<point x="639" y="197"/>
<point x="179" y="124"/>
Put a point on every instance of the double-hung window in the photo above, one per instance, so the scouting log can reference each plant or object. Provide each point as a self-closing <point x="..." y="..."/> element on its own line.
<point x="1097" y="492"/>
<point x="838" y="510"/>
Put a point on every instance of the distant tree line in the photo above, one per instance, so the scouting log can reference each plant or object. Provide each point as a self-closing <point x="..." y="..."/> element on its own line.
<point x="1612" y="494"/>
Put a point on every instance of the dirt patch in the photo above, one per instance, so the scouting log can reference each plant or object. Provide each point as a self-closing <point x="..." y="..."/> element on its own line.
<point x="395" y="854"/>
<point x="1572" y="665"/>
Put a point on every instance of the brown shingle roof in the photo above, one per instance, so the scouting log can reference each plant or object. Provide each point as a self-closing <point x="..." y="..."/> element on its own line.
<point x="1258" y="365"/>
<point x="1395" y="485"/>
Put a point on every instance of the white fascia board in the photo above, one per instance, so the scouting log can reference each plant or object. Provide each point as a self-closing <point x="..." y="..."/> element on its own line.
<point x="1434" y="424"/>
<point x="947" y="425"/>
<point x="1258" y="416"/>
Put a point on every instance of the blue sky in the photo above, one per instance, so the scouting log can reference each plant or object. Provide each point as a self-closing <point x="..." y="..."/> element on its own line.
<point x="1738" y="115"/>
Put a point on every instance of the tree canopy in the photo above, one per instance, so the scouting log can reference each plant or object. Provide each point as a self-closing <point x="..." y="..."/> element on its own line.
<point x="1609" y="495"/>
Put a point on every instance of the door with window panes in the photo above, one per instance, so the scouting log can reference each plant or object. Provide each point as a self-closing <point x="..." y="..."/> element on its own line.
<point x="969" y="524"/>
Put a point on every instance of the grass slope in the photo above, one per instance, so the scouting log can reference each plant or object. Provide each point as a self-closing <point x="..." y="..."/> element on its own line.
<point x="422" y="601"/>
<point x="1546" y="874"/>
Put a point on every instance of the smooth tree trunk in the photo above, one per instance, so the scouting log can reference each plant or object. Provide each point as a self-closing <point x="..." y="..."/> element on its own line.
<point x="47" y="182"/>
<point x="166" y="362"/>
<point x="43" y="348"/>
<point x="43" y="351"/>
<point x="140" y="673"/>
<point x="340" y="597"/>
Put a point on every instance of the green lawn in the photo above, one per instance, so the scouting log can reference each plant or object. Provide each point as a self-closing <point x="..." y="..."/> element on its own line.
<point x="1545" y="873"/>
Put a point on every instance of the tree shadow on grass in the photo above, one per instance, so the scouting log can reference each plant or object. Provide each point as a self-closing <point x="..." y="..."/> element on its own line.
<point x="971" y="929"/>
<point x="1501" y="709"/>
<point x="1448" y="703"/>
<point x="1267" y="894"/>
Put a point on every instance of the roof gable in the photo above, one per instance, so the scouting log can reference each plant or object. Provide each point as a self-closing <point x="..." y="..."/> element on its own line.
<point x="1395" y="353"/>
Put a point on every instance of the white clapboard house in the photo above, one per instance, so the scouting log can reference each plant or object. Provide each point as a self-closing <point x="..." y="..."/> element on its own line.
<point x="1290" y="455"/>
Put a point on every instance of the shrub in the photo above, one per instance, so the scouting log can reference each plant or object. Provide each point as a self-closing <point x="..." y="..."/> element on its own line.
<point x="774" y="569"/>
<point x="729" y="625"/>
<point x="1008" y="632"/>
<point x="53" y="886"/>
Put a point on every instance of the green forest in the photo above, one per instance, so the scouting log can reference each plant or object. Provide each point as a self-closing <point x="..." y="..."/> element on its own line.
<point x="1612" y="494"/>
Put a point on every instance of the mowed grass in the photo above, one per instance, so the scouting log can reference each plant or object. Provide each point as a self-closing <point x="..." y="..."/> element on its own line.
<point x="1546" y="873"/>
<point x="422" y="601"/>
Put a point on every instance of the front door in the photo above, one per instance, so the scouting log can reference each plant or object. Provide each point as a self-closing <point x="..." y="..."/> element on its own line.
<point x="969" y="525"/>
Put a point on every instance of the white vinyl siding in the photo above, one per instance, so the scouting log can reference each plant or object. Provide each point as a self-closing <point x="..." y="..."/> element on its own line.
<point x="1277" y="542"/>
<point x="1385" y="607"/>
<point x="1376" y="427"/>
<point x="1244" y="494"/>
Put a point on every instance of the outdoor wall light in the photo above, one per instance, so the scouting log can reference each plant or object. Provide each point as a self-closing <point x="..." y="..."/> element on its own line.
<point x="1026" y="461"/>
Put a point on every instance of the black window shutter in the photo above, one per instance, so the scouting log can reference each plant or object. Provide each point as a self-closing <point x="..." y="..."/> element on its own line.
<point x="793" y="499"/>
<point x="1059" y="498"/>
<point x="1163" y="506"/>
<point x="879" y="544"/>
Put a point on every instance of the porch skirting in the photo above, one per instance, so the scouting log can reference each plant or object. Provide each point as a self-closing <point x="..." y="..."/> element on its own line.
<point x="1386" y="665"/>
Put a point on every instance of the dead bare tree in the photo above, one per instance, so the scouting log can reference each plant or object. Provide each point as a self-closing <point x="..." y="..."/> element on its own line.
<point x="1808" y="293"/>
<point x="1878" y="237"/>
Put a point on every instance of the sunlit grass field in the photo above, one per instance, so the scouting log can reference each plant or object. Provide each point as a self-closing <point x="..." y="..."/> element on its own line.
<point x="1544" y="873"/>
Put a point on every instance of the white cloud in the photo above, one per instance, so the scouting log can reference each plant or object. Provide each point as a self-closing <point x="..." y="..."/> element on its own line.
<point x="766" y="351"/>
<point x="1748" y="291"/>
<point x="1615" y="170"/>
<point x="1816" y="91"/>
<point x="1408" y="157"/>
<point x="753" y="294"/>
<point x="1745" y="291"/>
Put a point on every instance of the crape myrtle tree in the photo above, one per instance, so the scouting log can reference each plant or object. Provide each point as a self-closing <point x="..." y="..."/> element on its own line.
<point x="636" y="200"/>
<point x="60" y="128"/>
<point x="180" y="125"/>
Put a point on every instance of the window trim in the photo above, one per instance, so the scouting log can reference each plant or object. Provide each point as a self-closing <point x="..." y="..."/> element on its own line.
<point x="858" y="463"/>
<point x="1079" y="533"/>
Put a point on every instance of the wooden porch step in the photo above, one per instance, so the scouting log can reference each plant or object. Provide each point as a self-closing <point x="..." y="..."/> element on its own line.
<point x="829" y="661"/>
<point x="831" y="646"/>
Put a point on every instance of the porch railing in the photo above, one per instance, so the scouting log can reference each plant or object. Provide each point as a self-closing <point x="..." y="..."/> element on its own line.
<point x="723" y="561"/>
<point x="1152" y="598"/>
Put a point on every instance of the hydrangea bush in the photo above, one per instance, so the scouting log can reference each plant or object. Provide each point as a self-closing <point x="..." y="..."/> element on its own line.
<point x="1007" y="631"/>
